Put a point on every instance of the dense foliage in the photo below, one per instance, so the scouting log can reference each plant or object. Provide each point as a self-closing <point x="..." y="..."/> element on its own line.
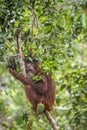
<point x="56" y="32"/>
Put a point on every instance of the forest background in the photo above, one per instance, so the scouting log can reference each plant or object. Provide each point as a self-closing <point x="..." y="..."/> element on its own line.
<point x="56" y="32"/>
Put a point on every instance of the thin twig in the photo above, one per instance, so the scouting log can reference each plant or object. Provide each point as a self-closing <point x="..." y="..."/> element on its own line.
<point x="8" y="122"/>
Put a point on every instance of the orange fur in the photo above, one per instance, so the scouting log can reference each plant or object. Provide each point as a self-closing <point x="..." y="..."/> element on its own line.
<point x="42" y="91"/>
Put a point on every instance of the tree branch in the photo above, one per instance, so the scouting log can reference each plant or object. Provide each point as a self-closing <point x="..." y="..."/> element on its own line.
<point x="22" y="64"/>
<point x="51" y="120"/>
